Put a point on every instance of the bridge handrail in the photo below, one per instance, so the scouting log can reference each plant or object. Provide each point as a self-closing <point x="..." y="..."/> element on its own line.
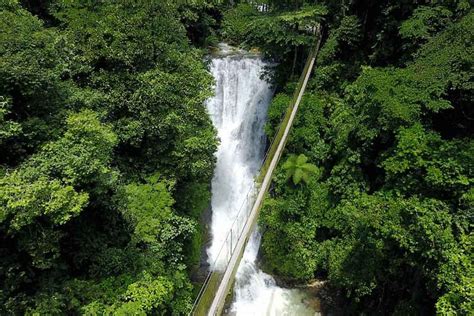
<point x="284" y="121"/>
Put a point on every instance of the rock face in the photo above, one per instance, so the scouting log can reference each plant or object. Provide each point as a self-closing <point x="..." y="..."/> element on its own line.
<point x="314" y="301"/>
<point x="200" y="272"/>
<point x="322" y="298"/>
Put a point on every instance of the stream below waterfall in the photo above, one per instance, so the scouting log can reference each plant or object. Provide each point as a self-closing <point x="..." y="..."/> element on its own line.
<point x="238" y="111"/>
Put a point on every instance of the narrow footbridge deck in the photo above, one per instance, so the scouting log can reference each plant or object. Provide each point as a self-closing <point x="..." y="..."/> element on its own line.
<point x="211" y="298"/>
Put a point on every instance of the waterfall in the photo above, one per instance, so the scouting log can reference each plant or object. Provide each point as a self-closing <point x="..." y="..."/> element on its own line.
<point x="238" y="111"/>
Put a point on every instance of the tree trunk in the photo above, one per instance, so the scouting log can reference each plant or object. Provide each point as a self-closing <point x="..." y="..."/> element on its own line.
<point x="294" y="61"/>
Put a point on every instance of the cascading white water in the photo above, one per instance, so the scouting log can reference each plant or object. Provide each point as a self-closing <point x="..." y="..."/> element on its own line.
<point x="256" y="292"/>
<point x="238" y="111"/>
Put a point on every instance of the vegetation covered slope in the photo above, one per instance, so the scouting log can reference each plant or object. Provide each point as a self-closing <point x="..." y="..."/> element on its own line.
<point x="384" y="140"/>
<point x="106" y="157"/>
<point x="106" y="152"/>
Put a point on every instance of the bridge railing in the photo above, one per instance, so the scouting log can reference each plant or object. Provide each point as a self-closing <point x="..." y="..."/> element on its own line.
<point x="205" y="296"/>
<point x="286" y="116"/>
<point x="214" y="277"/>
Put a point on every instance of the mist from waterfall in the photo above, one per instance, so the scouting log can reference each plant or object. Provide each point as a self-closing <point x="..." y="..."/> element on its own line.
<point x="238" y="111"/>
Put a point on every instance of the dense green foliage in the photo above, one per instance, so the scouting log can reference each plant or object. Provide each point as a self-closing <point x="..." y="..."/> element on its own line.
<point x="102" y="129"/>
<point x="387" y="215"/>
<point x="106" y="152"/>
<point x="279" y="34"/>
<point x="297" y="169"/>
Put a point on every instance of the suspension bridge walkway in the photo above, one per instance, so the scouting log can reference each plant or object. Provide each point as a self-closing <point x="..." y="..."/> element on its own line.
<point x="211" y="299"/>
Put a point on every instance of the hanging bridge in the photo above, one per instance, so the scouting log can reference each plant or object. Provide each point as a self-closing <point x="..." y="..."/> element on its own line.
<point x="212" y="296"/>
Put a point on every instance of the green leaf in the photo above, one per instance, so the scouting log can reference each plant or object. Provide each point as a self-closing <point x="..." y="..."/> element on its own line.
<point x="301" y="159"/>
<point x="297" y="176"/>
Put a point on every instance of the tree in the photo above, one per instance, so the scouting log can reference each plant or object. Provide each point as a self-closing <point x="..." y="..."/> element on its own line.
<point x="297" y="168"/>
<point x="281" y="34"/>
<point x="92" y="108"/>
<point x="30" y="83"/>
<point x="389" y="222"/>
<point x="8" y="128"/>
